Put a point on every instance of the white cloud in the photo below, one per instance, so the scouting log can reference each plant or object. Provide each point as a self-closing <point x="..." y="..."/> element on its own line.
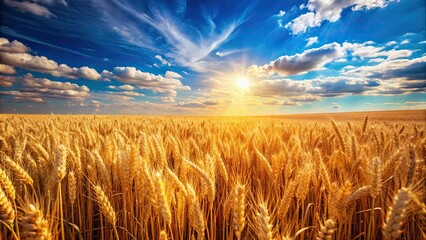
<point x="326" y="10"/>
<point x="280" y="14"/>
<point x="376" y="60"/>
<point x="188" y="45"/>
<point x="12" y="47"/>
<point x="406" y="41"/>
<point x="366" y="50"/>
<point x="6" y="69"/>
<point x="163" y="61"/>
<point x="229" y="52"/>
<point x="341" y="60"/>
<point x="309" y="60"/>
<point x="391" y="43"/>
<point x="145" y="80"/>
<point x="13" y="54"/>
<point x="412" y="69"/>
<point x="126" y="87"/>
<point x="303" y="22"/>
<point x="30" y="7"/>
<point x="38" y="89"/>
<point x="281" y="87"/>
<point x="171" y="74"/>
<point x="7" y="81"/>
<point x="306" y="98"/>
<point x="311" y="40"/>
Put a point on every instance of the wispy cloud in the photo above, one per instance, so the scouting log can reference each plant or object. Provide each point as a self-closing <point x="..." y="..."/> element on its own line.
<point x="30" y="7"/>
<point x="228" y="52"/>
<point x="13" y="33"/>
<point x="187" y="45"/>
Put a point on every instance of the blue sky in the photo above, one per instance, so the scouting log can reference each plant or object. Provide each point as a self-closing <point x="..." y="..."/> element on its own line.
<point x="211" y="57"/>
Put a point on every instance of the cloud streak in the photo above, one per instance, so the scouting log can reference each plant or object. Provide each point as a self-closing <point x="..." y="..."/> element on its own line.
<point x="188" y="45"/>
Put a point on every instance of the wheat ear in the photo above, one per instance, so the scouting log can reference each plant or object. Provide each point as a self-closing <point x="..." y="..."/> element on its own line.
<point x="238" y="213"/>
<point x="264" y="225"/>
<point x="7" y="212"/>
<point x="326" y="230"/>
<point x="7" y="185"/>
<point x="162" y="198"/>
<point x="396" y="215"/>
<point x="105" y="205"/>
<point x="34" y="225"/>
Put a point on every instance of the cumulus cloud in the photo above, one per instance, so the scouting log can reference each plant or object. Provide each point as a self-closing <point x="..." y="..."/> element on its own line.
<point x="38" y="89"/>
<point x="6" y="69"/>
<point x="338" y="86"/>
<point x="367" y="50"/>
<point x="410" y="69"/>
<point x="391" y="43"/>
<point x="6" y="81"/>
<point x="171" y="74"/>
<point x="30" y="7"/>
<point x="311" y="41"/>
<point x="306" y="98"/>
<point x="282" y="87"/>
<point x="12" y="47"/>
<point x="389" y="73"/>
<point x="145" y="80"/>
<point x="312" y="59"/>
<point x="15" y="54"/>
<point x="122" y="96"/>
<point x="325" y="10"/>
<point x="125" y="87"/>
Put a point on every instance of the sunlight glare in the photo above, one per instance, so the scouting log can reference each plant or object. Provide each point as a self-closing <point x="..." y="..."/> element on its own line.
<point x="243" y="83"/>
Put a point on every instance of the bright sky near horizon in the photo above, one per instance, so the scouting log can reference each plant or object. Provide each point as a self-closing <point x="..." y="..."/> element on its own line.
<point x="211" y="57"/>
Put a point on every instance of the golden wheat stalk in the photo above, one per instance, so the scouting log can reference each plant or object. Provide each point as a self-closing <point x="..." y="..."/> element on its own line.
<point x="195" y="214"/>
<point x="396" y="215"/>
<point x="61" y="162"/>
<point x="7" y="212"/>
<point x="264" y="226"/>
<point x="105" y="205"/>
<point x="34" y="226"/>
<point x="238" y="211"/>
<point x="72" y="187"/>
<point x="7" y="185"/>
<point x="326" y="230"/>
<point x="162" y="198"/>
<point x="19" y="172"/>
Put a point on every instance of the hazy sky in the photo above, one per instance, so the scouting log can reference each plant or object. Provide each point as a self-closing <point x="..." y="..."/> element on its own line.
<point x="211" y="57"/>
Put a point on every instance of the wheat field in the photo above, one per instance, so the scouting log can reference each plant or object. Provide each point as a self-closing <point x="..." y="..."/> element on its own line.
<point x="117" y="177"/>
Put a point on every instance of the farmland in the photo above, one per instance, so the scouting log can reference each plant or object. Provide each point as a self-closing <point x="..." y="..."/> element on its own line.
<point x="339" y="176"/>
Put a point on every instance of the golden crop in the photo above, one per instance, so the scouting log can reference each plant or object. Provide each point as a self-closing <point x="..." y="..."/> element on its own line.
<point x="105" y="177"/>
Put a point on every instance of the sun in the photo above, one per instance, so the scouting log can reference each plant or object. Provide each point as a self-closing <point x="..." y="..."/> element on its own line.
<point x="243" y="83"/>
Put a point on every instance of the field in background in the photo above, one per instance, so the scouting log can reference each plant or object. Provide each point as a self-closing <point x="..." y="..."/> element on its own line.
<point x="326" y="176"/>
